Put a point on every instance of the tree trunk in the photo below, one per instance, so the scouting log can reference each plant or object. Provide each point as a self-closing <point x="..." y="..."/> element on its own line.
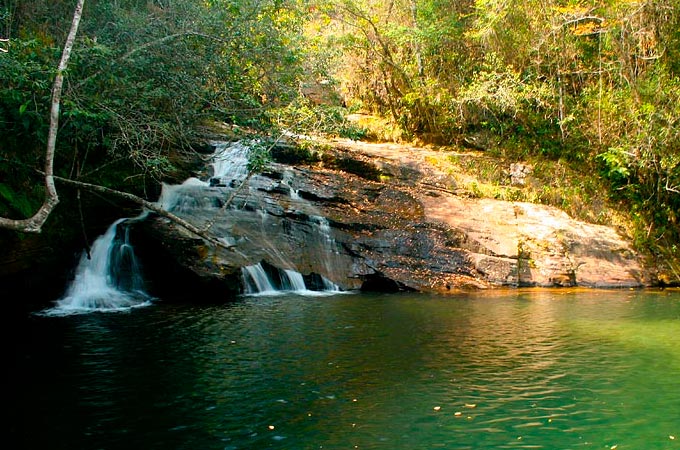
<point x="34" y="224"/>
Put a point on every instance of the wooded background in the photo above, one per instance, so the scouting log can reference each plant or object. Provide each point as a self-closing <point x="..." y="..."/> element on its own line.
<point x="594" y="85"/>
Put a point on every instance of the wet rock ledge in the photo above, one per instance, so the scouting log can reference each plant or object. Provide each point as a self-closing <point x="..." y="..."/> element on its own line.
<point x="377" y="217"/>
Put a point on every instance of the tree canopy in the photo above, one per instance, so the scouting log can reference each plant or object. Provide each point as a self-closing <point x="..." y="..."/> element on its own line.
<point x="592" y="83"/>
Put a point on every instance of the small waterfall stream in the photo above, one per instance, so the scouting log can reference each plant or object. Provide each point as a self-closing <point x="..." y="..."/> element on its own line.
<point x="110" y="279"/>
<point x="271" y="281"/>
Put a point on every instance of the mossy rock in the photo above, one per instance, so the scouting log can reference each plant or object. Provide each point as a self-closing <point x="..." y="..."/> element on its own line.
<point x="293" y="154"/>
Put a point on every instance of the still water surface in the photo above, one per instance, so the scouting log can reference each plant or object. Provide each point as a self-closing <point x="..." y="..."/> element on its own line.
<point x="513" y="369"/>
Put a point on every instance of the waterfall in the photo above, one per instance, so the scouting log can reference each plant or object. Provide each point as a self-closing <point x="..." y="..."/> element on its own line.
<point x="323" y="237"/>
<point x="256" y="280"/>
<point x="260" y="279"/>
<point x="296" y="281"/>
<point x="229" y="170"/>
<point x="108" y="280"/>
<point x="229" y="167"/>
<point x="230" y="163"/>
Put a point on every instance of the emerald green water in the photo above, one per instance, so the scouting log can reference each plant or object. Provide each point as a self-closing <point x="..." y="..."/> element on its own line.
<point x="512" y="369"/>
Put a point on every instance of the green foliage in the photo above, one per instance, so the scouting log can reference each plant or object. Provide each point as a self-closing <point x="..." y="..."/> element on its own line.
<point x="594" y="85"/>
<point x="591" y="85"/>
<point x="259" y="155"/>
<point x="16" y="204"/>
<point x="143" y="75"/>
<point x="302" y="117"/>
<point x="616" y="165"/>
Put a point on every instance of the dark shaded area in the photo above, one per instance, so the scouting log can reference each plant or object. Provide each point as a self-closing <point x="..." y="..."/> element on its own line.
<point x="352" y="164"/>
<point x="168" y="279"/>
<point x="378" y="282"/>
<point x="294" y="154"/>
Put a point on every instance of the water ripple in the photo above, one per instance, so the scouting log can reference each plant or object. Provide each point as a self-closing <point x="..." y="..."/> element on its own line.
<point x="375" y="372"/>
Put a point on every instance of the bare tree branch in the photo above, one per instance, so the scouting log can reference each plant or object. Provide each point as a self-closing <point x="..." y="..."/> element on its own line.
<point x="148" y="205"/>
<point x="582" y="19"/>
<point x="674" y="189"/>
<point x="153" y="43"/>
<point x="34" y="224"/>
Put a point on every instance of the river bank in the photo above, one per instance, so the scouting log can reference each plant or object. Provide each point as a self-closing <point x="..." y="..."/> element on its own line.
<point x="397" y="217"/>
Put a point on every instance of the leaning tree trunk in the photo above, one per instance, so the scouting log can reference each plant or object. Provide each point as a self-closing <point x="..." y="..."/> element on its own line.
<point x="34" y="224"/>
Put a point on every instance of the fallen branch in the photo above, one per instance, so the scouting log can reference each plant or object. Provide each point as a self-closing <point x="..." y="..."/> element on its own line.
<point x="150" y="206"/>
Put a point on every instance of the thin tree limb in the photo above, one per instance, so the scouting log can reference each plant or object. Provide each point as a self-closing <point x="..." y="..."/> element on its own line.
<point x="148" y="205"/>
<point x="153" y="43"/>
<point x="582" y="19"/>
<point x="226" y="204"/>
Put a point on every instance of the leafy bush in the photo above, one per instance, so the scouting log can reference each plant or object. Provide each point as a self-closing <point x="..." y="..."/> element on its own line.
<point x="303" y="117"/>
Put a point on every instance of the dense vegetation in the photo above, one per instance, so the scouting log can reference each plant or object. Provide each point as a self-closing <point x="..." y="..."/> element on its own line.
<point x="593" y="86"/>
<point x="142" y="78"/>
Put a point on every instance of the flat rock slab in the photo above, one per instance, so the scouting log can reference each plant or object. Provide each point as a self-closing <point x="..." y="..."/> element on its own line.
<point x="541" y="245"/>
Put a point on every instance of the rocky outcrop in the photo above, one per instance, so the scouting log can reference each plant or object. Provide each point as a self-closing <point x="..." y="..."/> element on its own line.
<point x="380" y="217"/>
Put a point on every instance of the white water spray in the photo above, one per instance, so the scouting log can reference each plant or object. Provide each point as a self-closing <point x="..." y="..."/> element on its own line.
<point x="108" y="280"/>
<point x="257" y="281"/>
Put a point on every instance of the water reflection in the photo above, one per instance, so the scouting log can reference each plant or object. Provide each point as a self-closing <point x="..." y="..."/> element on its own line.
<point x="520" y="369"/>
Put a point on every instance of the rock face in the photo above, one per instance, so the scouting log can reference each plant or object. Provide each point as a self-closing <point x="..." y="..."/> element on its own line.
<point x="377" y="217"/>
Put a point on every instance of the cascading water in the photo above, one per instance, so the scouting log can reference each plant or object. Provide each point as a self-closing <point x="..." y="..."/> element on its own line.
<point x="256" y="280"/>
<point x="296" y="281"/>
<point x="109" y="279"/>
<point x="260" y="281"/>
<point x="229" y="170"/>
<point x="230" y="167"/>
